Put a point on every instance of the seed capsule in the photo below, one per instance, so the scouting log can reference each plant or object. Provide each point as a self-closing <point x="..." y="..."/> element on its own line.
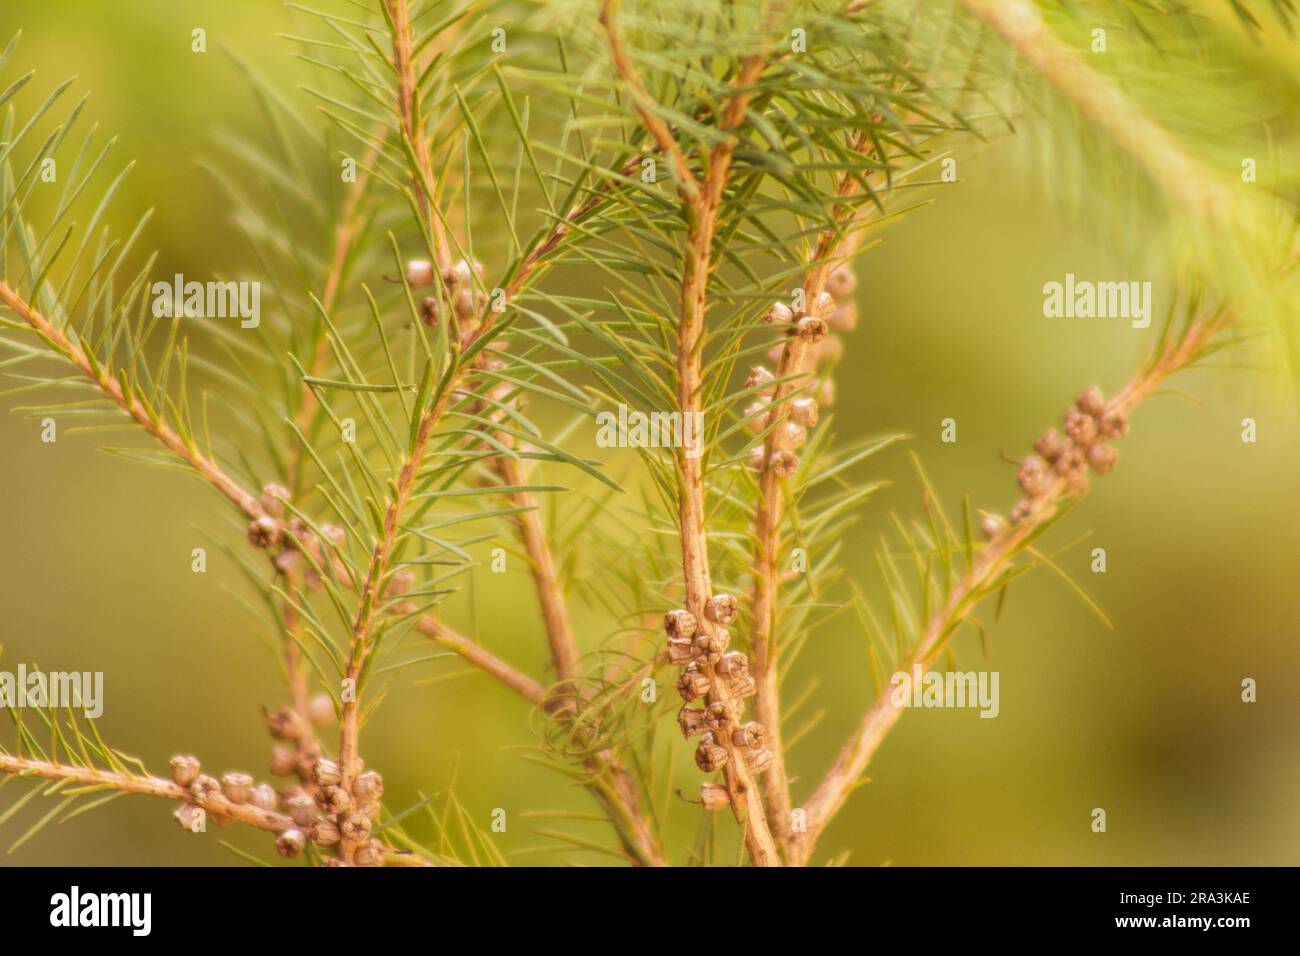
<point x="283" y="761"/>
<point x="756" y="416"/>
<point x="356" y="827"/>
<point x="759" y="377"/>
<point x="399" y="583"/>
<point x="680" y="652"/>
<point x="841" y="282"/>
<point x="301" y="809"/>
<point x="429" y="310"/>
<point x="709" y="757"/>
<point x="845" y="317"/>
<point x="714" y="796"/>
<point x="811" y="329"/>
<point x="368" y="786"/>
<point x="263" y="532"/>
<point x="419" y="273"/>
<point x="189" y="817"/>
<point x="285" y="724"/>
<point x="1051" y="445"/>
<point x="822" y="306"/>
<point x="184" y="769"/>
<point x="720" y="609"/>
<point x="326" y="773"/>
<point x="692" y="721"/>
<point x="693" y="684"/>
<point x="320" y="709"/>
<point x="742" y="686"/>
<point x="733" y="664"/>
<point x="1080" y="426"/>
<point x="1102" y="458"/>
<point x="680" y="624"/>
<point x="370" y="854"/>
<point x="828" y="351"/>
<point x="325" y="832"/>
<point x="333" y="800"/>
<point x="263" y="797"/>
<point x="757" y="458"/>
<point x="718" y="718"/>
<point x="784" y="463"/>
<point x="758" y="760"/>
<point x="204" y="788"/>
<point x="273" y="499"/>
<point x="779" y="314"/>
<point x="708" y="648"/>
<point x="826" y="394"/>
<point x="1091" y="401"/>
<point x="794" y="435"/>
<point x="1071" y="461"/>
<point x="1033" y="477"/>
<point x="1114" y="424"/>
<point x="803" y="411"/>
<point x="991" y="526"/>
<point x="238" y="787"/>
<point x="748" y="736"/>
<point x="334" y="534"/>
<point x="1022" y="510"/>
<point x="290" y="843"/>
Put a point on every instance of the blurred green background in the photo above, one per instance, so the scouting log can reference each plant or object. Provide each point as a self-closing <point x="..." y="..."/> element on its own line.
<point x="1146" y="721"/>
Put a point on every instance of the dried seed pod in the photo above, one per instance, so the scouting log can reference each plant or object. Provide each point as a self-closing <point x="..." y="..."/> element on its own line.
<point x="419" y="273"/>
<point x="356" y="827"/>
<point x="273" y="498"/>
<point x="803" y="411"/>
<point x="290" y="843"/>
<point x="756" y="417"/>
<point x="991" y="526"/>
<point x="680" y="652"/>
<point x="429" y="310"/>
<point x="721" y="608"/>
<point x="1080" y="426"/>
<point x="733" y="664"/>
<point x="784" y="463"/>
<point x="757" y="458"/>
<point x="845" y="317"/>
<point x="320" y="709"/>
<point x="326" y="773"/>
<point x="1033" y="477"/>
<point x="325" y="832"/>
<point x="333" y="800"/>
<point x="1102" y="458"/>
<point x="828" y="351"/>
<point x="759" y="377"/>
<point x="1051" y="445"/>
<point x="811" y="329"/>
<point x="709" y="757"/>
<point x="1022" y="510"/>
<point x="370" y="853"/>
<point x="841" y="282"/>
<point x="693" y="684"/>
<point x="680" y="624"/>
<point x="204" y="788"/>
<point x="758" y="760"/>
<point x="1091" y="401"/>
<point x="283" y="761"/>
<point x="286" y="724"/>
<point x="238" y="787"/>
<point x="399" y="583"/>
<point x="184" y="769"/>
<point x="1114" y="424"/>
<point x="189" y="817"/>
<point x="692" y="721"/>
<point x="264" y="532"/>
<point x="779" y="314"/>
<point x="718" y="719"/>
<point x="708" y="648"/>
<point x="714" y="796"/>
<point x="263" y="797"/>
<point x="794" y="435"/>
<point x="368" y="786"/>
<point x="301" y="809"/>
<point x="748" y="736"/>
<point x="742" y="686"/>
<point x="822" y="306"/>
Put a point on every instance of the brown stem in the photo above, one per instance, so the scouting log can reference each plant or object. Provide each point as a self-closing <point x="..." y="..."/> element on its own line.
<point x="993" y="558"/>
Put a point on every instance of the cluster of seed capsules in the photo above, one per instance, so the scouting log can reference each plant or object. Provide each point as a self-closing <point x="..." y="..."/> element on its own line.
<point x="833" y="310"/>
<point x="318" y="808"/>
<point x="701" y="652"/>
<point x="1088" y="425"/>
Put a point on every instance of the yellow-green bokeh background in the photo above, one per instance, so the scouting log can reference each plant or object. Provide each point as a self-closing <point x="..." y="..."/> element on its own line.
<point x="1201" y="532"/>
